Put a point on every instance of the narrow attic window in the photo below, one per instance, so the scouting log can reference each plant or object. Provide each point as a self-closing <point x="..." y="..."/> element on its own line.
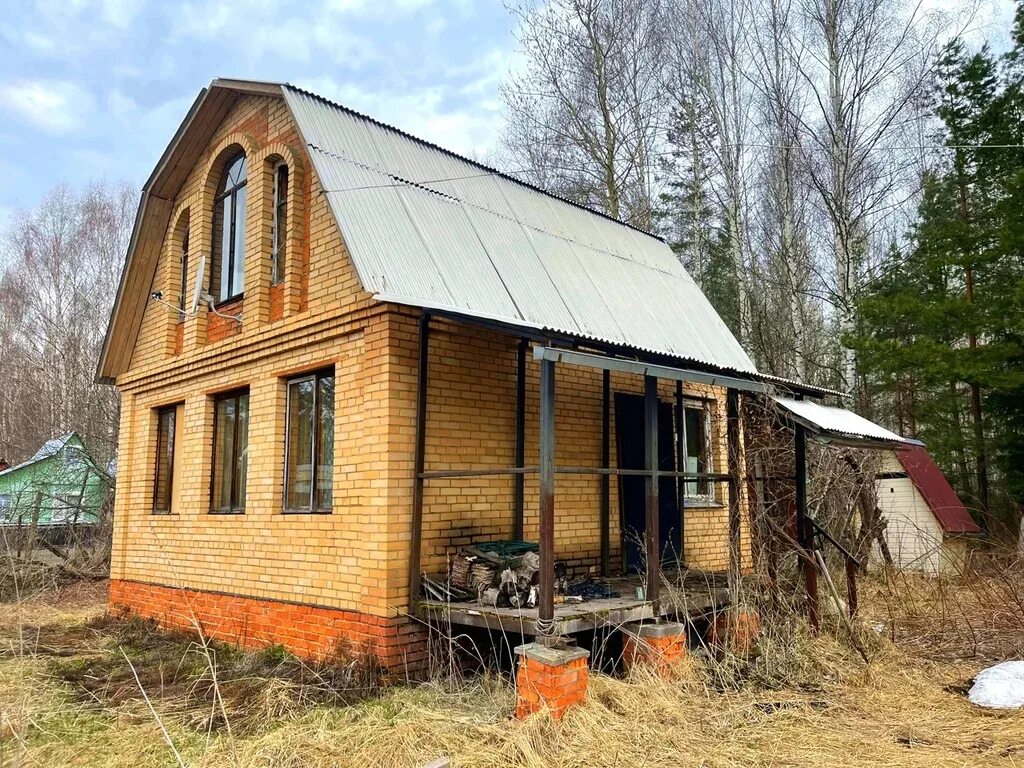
<point x="277" y="253"/>
<point x="183" y="288"/>
<point x="228" y="268"/>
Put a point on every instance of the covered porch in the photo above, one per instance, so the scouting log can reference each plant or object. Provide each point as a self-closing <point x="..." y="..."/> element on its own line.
<point x="663" y="587"/>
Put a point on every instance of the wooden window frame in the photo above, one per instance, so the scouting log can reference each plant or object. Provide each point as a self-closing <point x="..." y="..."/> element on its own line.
<point x="160" y="413"/>
<point x="315" y="377"/>
<point x="237" y="506"/>
<point x="220" y="198"/>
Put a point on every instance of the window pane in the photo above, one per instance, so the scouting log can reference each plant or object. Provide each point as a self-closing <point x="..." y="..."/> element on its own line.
<point x="280" y="224"/>
<point x="223" y="260"/>
<point x="241" y="464"/>
<point x="184" y="271"/>
<point x="164" y="461"/>
<point x="223" y="453"/>
<point x="299" y="443"/>
<point x="238" y="278"/>
<point x="325" y="443"/>
<point x="696" y="458"/>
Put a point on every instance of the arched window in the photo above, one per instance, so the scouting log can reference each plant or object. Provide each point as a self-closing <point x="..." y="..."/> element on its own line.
<point x="280" y="223"/>
<point x="228" y="268"/>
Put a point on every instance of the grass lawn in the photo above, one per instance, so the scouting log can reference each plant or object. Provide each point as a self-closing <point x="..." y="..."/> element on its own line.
<point x="80" y="689"/>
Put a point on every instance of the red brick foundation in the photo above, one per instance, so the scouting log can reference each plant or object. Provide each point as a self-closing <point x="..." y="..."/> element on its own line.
<point x="736" y="630"/>
<point x="550" y="678"/>
<point x="660" y="647"/>
<point x="399" y="644"/>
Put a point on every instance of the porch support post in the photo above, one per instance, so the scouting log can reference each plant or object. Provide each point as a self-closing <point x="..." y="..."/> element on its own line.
<point x="546" y="607"/>
<point x="520" y="479"/>
<point x="732" y="411"/>
<point x="606" y="404"/>
<point x="651" y="534"/>
<point x="681" y="466"/>
<point x="416" y="537"/>
<point x="803" y="533"/>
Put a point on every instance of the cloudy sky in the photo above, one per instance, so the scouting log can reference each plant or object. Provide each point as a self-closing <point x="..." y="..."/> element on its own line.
<point x="94" y="89"/>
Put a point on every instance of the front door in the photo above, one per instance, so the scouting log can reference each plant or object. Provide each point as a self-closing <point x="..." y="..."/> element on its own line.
<point x="629" y="439"/>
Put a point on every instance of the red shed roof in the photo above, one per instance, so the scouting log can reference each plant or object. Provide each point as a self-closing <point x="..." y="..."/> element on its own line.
<point x="936" y="490"/>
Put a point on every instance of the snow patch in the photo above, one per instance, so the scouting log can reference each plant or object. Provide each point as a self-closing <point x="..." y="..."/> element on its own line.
<point x="999" y="687"/>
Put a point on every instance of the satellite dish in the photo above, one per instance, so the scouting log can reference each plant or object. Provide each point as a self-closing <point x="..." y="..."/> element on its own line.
<point x="197" y="294"/>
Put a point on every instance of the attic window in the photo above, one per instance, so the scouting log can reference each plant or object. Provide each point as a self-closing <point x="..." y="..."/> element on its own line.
<point x="228" y="268"/>
<point x="280" y="224"/>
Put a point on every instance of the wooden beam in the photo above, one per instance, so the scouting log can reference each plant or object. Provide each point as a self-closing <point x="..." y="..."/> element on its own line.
<point x="732" y="412"/>
<point x="606" y="404"/>
<point x="518" y="490"/>
<point x="680" y="415"/>
<point x="416" y="533"/>
<point x="546" y="607"/>
<point x="652" y="537"/>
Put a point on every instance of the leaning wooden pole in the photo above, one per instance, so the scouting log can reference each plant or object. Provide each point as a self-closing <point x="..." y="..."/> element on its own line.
<point x="546" y="608"/>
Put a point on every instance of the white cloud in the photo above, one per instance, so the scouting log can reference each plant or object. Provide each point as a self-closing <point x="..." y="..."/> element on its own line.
<point x="418" y="111"/>
<point x="55" y="106"/>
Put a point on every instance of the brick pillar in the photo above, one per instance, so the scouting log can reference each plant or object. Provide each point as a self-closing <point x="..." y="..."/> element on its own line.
<point x="551" y="678"/>
<point x="658" y="646"/>
<point x="735" y="630"/>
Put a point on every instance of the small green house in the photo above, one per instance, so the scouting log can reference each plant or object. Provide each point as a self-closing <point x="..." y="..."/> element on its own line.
<point x="59" y="485"/>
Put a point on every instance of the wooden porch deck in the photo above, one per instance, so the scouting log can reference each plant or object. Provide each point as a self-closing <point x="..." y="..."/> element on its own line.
<point x="682" y="593"/>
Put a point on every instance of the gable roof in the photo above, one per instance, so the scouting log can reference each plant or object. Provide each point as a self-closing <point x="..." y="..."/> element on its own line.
<point x="936" y="490"/>
<point x="428" y="228"/>
<point x="46" y="450"/>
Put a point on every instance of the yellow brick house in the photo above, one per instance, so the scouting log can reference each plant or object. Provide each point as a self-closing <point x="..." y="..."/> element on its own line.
<point x="344" y="352"/>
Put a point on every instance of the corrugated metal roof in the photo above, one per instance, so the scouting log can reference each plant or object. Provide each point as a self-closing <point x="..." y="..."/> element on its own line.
<point x="936" y="490"/>
<point x="837" y="423"/>
<point x="427" y="228"/>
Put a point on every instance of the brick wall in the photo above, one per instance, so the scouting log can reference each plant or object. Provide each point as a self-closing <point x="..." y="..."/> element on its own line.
<point x="310" y="631"/>
<point x="356" y="558"/>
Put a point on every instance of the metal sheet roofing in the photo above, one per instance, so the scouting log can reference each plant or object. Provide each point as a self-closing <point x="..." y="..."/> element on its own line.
<point x="936" y="490"/>
<point x="837" y="423"/>
<point x="428" y="228"/>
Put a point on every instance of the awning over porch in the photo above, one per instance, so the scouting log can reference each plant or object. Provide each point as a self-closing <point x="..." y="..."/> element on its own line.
<point x="837" y="426"/>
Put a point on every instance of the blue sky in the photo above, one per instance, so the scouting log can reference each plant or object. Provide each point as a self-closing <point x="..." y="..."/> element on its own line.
<point x="94" y="89"/>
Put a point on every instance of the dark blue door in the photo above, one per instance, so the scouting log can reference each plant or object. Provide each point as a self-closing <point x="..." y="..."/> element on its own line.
<point x="629" y="439"/>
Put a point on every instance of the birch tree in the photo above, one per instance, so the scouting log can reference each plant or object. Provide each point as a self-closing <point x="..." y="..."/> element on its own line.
<point x="584" y="115"/>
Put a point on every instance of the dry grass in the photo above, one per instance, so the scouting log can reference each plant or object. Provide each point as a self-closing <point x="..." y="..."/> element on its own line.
<point x="66" y="701"/>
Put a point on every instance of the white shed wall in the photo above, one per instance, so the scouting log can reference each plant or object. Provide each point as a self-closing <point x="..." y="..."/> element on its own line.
<point x="914" y="535"/>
